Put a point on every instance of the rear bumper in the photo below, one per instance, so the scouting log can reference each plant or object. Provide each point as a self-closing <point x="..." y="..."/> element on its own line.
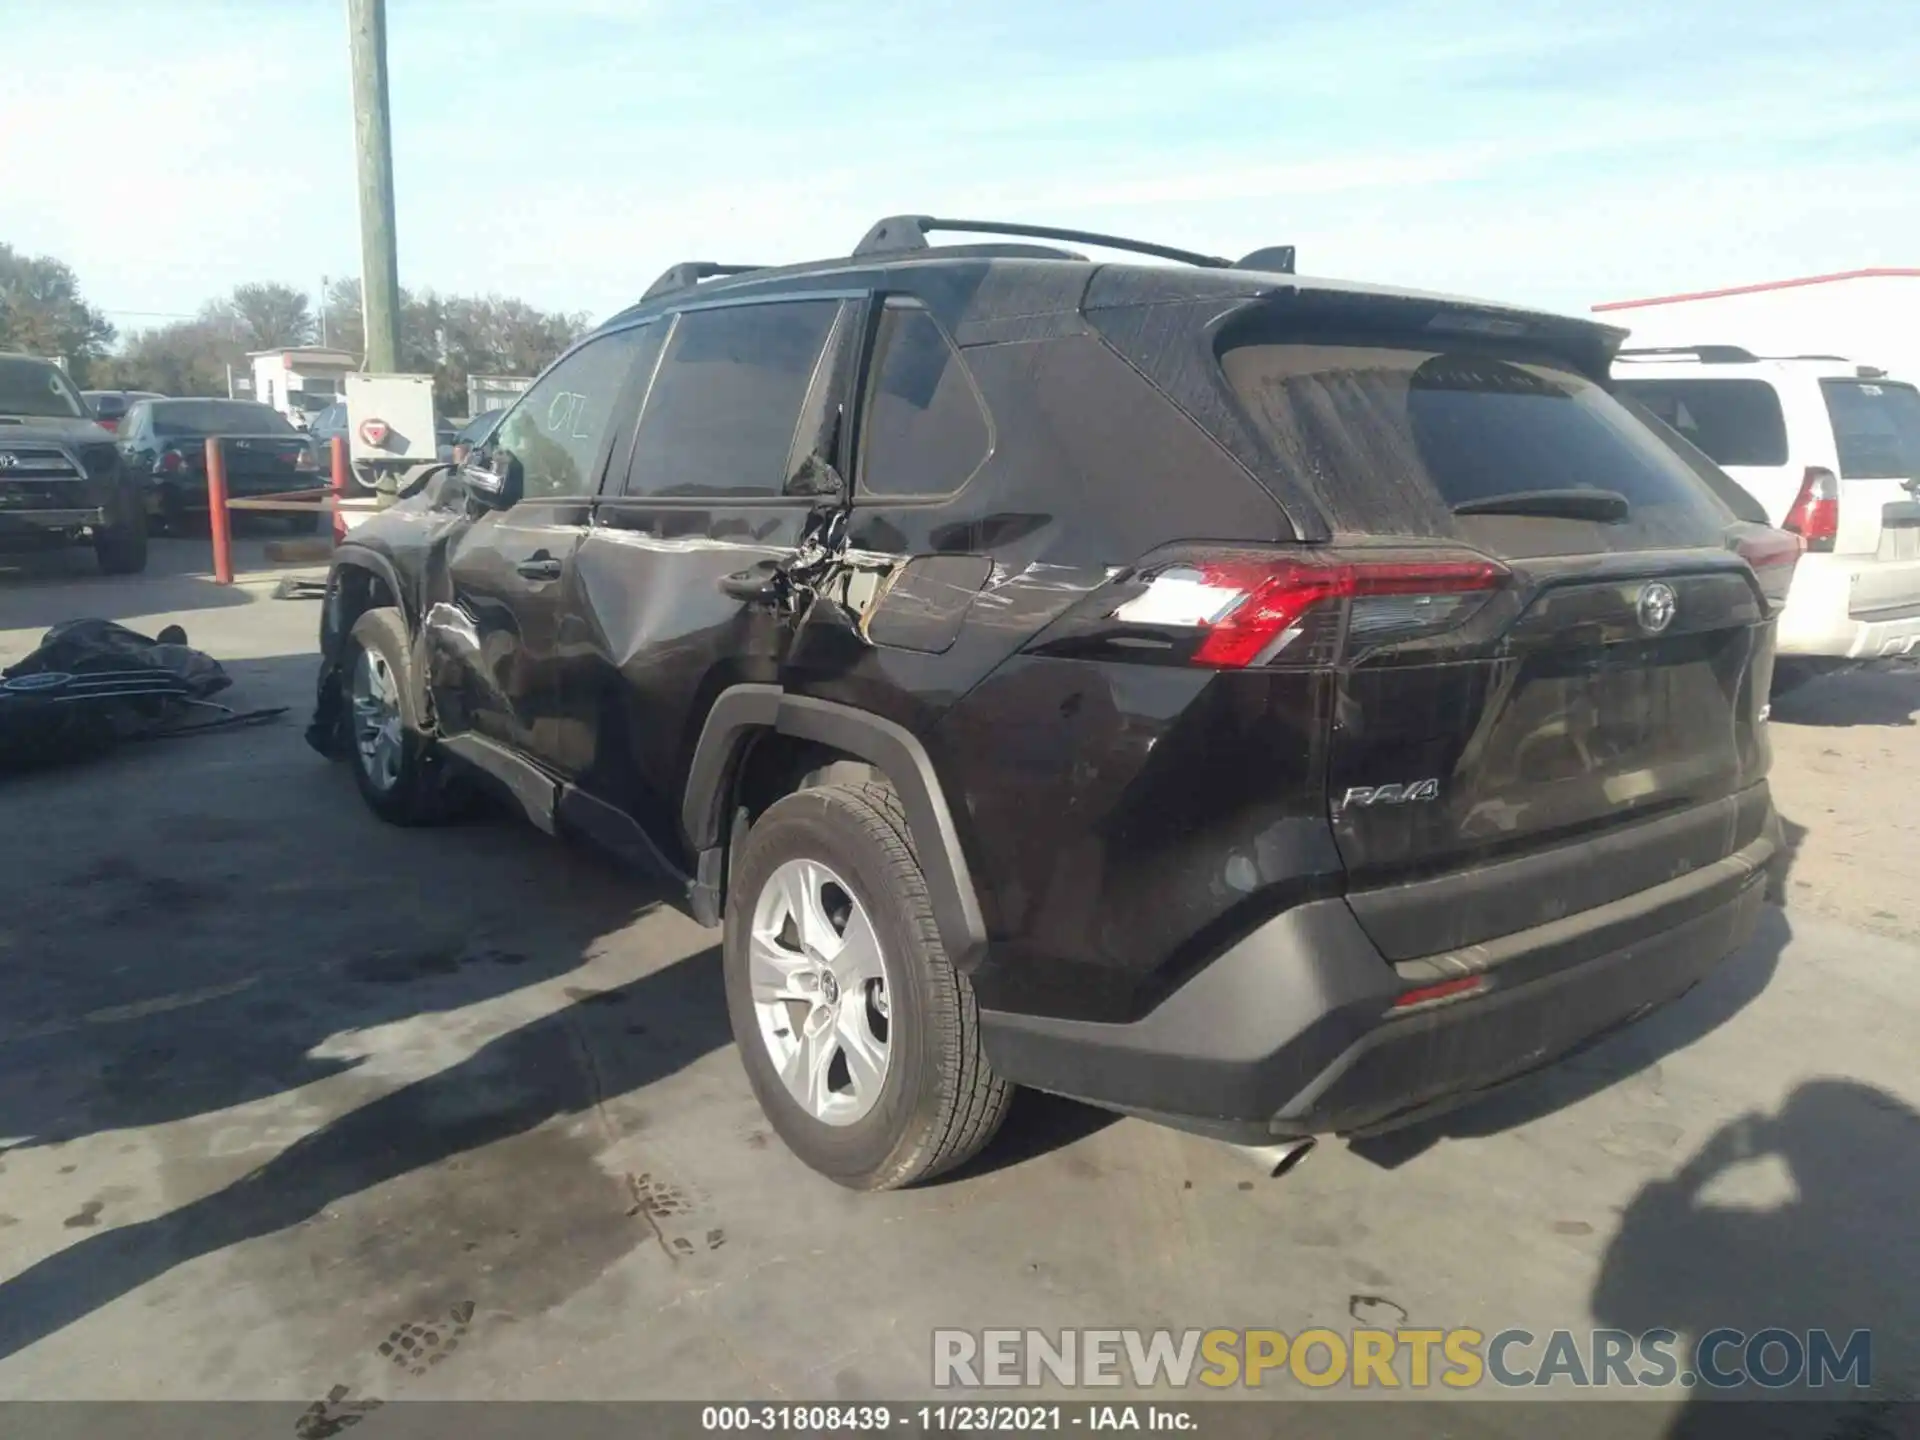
<point x="1291" y="1031"/>
<point x="188" y="496"/>
<point x="1849" y="607"/>
<point x="23" y="524"/>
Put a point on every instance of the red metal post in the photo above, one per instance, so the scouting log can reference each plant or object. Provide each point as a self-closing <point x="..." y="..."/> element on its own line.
<point x="218" y="523"/>
<point x="339" y="446"/>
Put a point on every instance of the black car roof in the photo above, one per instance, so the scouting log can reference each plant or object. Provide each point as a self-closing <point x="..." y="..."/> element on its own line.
<point x="1000" y="281"/>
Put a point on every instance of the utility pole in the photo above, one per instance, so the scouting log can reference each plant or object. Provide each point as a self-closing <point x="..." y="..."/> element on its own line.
<point x="373" y="139"/>
<point x="323" y="312"/>
<point x="379" y="257"/>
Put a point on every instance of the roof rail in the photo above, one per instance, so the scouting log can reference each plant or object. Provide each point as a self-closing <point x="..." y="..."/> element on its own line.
<point x="690" y="273"/>
<point x="1705" y="354"/>
<point x="899" y="233"/>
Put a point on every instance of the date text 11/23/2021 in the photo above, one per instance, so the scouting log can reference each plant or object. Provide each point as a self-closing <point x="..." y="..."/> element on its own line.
<point x="977" y="1419"/>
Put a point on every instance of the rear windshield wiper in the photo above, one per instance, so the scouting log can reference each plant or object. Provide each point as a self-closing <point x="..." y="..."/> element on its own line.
<point x="1609" y="507"/>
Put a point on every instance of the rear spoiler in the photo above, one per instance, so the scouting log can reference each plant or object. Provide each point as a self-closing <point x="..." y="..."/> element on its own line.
<point x="1588" y="345"/>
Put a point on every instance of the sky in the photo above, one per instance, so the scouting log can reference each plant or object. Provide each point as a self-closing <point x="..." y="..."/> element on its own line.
<point x="567" y="151"/>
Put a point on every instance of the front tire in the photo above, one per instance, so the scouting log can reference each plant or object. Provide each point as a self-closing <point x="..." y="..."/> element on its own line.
<point x="392" y="757"/>
<point x="860" y="1039"/>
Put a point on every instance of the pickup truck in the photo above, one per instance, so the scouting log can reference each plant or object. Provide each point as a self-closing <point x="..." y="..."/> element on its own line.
<point x="61" y="480"/>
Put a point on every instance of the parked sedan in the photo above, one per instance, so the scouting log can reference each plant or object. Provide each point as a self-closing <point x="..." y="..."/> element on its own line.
<point x="110" y="406"/>
<point x="164" y="442"/>
<point x="325" y="425"/>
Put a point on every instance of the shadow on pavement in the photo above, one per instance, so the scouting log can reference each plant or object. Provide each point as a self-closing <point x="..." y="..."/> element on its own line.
<point x="194" y="918"/>
<point x="1882" y="694"/>
<point x="1725" y="992"/>
<point x="42" y="589"/>
<point x="1038" y="1124"/>
<point x="564" y="1233"/>
<point x="1801" y="1220"/>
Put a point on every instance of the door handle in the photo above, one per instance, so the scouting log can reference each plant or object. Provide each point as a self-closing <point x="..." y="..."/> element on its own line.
<point x="539" y="567"/>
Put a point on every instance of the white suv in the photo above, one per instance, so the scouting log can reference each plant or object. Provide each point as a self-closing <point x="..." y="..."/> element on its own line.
<point x="1831" y="451"/>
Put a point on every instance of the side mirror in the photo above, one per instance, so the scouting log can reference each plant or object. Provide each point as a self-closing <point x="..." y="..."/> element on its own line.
<point x="496" y="481"/>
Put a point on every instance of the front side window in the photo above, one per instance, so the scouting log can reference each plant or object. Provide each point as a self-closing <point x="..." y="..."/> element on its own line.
<point x="721" y="416"/>
<point x="558" y="428"/>
<point x="926" y="431"/>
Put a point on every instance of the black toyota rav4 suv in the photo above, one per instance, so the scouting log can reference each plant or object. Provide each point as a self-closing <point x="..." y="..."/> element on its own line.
<point x="1271" y="706"/>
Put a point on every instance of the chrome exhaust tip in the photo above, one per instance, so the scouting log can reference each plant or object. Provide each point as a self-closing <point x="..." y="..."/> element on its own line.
<point x="1275" y="1159"/>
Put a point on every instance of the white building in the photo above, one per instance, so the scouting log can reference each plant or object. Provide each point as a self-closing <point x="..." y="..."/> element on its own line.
<point x="301" y="379"/>
<point x="1871" y="317"/>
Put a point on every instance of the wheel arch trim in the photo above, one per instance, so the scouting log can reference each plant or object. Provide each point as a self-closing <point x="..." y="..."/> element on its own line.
<point x="894" y="750"/>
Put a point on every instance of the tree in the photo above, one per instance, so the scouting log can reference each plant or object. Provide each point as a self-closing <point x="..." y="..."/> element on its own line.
<point x="271" y="315"/>
<point x="42" y="313"/>
<point x="189" y="357"/>
<point x="454" y="336"/>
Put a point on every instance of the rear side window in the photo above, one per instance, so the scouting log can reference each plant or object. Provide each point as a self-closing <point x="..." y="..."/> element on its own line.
<point x="1876" y="425"/>
<point x="926" y="430"/>
<point x="721" y="416"/>
<point x="1736" y="422"/>
<point x="1453" y="426"/>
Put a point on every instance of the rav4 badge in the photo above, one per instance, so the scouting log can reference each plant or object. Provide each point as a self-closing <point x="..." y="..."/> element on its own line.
<point x="1391" y="794"/>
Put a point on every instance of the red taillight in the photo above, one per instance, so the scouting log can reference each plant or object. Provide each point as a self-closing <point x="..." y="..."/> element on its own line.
<point x="1250" y="609"/>
<point x="1815" y="515"/>
<point x="1454" y="989"/>
<point x="110" y="426"/>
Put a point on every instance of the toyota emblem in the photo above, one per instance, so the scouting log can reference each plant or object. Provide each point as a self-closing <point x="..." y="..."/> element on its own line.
<point x="1655" y="607"/>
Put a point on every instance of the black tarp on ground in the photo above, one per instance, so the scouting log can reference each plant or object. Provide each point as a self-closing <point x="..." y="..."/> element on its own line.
<point x="93" y="683"/>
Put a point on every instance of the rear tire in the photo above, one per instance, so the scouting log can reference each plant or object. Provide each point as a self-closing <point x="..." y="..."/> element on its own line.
<point x="394" y="765"/>
<point x="122" y="549"/>
<point x="937" y="1102"/>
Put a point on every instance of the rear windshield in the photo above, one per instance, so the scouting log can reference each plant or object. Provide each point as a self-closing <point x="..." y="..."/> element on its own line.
<point x="219" y="417"/>
<point x="1737" y="422"/>
<point x="1414" y="425"/>
<point x="36" y="387"/>
<point x="1723" y="485"/>
<point x="1876" y="425"/>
